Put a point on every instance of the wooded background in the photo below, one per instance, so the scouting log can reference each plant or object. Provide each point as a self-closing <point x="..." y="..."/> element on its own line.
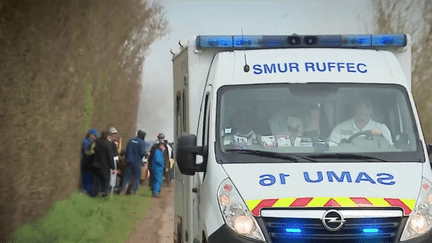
<point x="414" y="18"/>
<point x="65" y="67"/>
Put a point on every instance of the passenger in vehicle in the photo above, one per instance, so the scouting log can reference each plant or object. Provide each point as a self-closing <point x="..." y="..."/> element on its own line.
<point x="362" y="121"/>
<point x="312" y="122"/>
<point x="241" y="132"/>
<point x="296" y="124"/>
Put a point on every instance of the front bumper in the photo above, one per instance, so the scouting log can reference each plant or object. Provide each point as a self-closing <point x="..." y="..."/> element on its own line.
<point x="426" y="238"/>
<point x="224" y="234"/>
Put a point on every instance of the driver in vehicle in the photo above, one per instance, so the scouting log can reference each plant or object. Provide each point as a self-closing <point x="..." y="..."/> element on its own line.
<point x="362" y="121"/>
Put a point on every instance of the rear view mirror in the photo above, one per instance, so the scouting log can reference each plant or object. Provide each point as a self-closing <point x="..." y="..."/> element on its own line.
<point x="186" y="154"/>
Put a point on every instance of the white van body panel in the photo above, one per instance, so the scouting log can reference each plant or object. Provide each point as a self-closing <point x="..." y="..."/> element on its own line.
<point x="209" y="208"/>
<point x="362" y="182"/>
<point x="273" y="66"/>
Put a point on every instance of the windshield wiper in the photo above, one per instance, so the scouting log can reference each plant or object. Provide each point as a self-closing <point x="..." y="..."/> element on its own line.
<point x="348" y="156"/>
<point x="291" y="157"/>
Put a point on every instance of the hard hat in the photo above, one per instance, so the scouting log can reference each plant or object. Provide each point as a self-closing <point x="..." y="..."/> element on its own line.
<point x="112" y="130"/>
<point x="93" y="131"/>
<point x="160" y="136"/>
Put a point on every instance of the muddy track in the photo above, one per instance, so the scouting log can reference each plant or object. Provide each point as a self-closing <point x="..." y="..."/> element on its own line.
<point x="157" y="225"/>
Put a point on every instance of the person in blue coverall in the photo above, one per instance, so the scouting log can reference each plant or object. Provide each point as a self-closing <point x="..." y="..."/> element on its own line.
<point x="86" y="169"/>
<point x="136" y="150"/>
<point x="157" y="157"/>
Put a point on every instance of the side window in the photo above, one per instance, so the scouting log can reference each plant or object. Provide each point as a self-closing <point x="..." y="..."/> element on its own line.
<point x="204" y="123"/>
<point x="184" y="111"/>
<point x="203" y="129"/>
<point x="206" y="120"/>
<point x="179" y="118"/>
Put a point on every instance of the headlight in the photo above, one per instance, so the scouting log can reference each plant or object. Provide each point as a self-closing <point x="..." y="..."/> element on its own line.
<point x="243" y="224"/>
<point x="420" y="219"/>
<point x="235" y="213"/>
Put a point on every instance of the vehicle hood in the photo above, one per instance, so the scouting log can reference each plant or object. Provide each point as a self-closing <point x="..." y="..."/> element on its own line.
<point x="327" y="185"/>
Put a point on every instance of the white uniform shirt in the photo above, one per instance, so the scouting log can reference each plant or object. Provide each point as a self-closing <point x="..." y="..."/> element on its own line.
<point x="348" y="128"/>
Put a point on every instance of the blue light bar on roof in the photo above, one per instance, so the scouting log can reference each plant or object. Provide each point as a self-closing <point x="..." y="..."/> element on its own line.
<point x="239" y="42"/>
<point x="212" y="41"/>
<point x="356" y="40"/>
<point x="250" y="41"/>
<point x="387" y="40"/>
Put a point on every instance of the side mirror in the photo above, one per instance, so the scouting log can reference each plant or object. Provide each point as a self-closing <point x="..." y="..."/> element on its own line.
<point x="186" y="154"/>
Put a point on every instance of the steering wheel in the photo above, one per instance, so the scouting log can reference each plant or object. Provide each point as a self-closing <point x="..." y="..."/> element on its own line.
<point x="367" y="133"/>
<point x="368" y="140"/>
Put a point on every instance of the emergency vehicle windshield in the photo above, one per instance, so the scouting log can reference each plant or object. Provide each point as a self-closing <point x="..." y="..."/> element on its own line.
<point x="316" y="122"/>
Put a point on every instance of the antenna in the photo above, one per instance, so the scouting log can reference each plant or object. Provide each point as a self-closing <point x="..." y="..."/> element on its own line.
<point x="246" y="67"/>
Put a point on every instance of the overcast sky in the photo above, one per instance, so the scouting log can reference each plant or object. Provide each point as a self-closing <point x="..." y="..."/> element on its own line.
<point x="206" y="17"/>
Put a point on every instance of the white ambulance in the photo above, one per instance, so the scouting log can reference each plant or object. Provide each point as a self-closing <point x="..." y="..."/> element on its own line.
<point x="299" y="139"/>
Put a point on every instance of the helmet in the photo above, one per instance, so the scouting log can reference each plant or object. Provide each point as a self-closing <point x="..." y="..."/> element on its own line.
<point x="93" y="131"/>
<point x="112" y="130"/>
<point x="160" y="136"/>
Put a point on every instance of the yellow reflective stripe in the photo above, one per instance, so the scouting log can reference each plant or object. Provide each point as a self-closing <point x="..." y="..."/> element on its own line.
<point x="345" y="201"/>
<point x="318" y="202"/>
<point x="284" y="202"/>
<point x="321" y="201"/>
<point x="410" y="203"/>
<point x="378" y="202"/>
<point x="252" y="203"/>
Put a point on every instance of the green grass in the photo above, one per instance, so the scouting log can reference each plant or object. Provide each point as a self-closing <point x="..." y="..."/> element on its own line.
<point x="84" y="219"/>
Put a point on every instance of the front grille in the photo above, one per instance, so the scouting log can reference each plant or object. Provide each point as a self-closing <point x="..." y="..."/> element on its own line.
<point x="312" y="230"/>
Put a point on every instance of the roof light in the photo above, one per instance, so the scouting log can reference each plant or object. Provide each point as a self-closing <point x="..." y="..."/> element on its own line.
<point x="247" y="41"/>
<point x="326" y="41"/>
<point x="275" y="41"/>
<point x="356" y="40"/>
<point x="389" y="40"/>
<point x="239" y="42"/>
<point x="210" y="41"/>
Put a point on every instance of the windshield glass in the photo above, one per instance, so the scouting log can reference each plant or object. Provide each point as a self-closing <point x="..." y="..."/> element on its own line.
<point x="316" y="122"/>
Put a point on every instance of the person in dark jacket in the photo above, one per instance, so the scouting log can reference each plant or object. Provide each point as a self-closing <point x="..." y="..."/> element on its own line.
<point x="86" y="171"/>
<point x="112" y="137"/>
<point x="102" y="161"/>
<point x="136" y="150"/>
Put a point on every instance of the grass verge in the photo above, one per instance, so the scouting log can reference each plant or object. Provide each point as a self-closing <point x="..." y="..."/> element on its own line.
<point x="84" y="219"/>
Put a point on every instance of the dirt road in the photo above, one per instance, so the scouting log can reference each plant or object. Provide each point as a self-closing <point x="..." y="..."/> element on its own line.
<point x="158" y="224"/>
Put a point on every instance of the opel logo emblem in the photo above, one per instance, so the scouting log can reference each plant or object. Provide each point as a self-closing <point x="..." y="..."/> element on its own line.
<point x="332" y="220"/>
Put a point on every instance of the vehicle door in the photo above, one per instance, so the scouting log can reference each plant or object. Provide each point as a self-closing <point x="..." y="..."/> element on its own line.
<point x="202" y="140"/>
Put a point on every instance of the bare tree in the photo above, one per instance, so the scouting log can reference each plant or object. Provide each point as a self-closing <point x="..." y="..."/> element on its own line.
<point x="414" y="18"/>
<point x="152" y="26"/>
